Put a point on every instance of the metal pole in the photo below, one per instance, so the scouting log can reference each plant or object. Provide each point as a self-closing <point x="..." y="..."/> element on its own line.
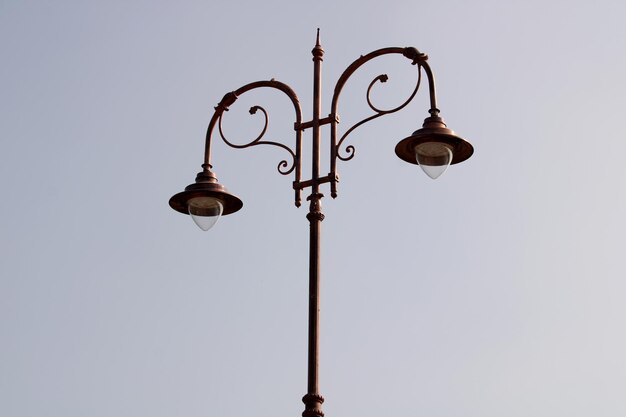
<point x="313" y="400"/>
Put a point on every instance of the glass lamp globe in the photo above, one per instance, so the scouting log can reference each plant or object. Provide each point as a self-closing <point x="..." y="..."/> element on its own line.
<point x="205" y="211"/>
<point x="433" y="157"/>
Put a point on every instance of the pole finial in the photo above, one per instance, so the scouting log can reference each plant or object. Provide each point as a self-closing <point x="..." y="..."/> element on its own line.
<point x="317" y="51"/>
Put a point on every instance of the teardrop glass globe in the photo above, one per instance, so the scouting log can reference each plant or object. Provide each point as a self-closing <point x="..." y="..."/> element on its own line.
<point x="433" y="157"/>
<point x="205" y="211"/>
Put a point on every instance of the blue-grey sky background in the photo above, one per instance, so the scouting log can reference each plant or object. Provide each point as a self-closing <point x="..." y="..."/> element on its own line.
<point x="496" y="291"/>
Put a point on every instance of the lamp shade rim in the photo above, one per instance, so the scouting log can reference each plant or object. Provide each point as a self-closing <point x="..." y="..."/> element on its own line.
<point x="231" y="203"/>
<point x="461" y="149"/>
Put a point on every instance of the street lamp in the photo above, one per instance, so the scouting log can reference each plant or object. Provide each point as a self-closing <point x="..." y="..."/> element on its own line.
<point x="433" y="147"/>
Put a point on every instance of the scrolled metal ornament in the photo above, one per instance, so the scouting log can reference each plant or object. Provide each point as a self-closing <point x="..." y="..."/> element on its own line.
<point x="282" y="165"/>
<point x="382" y="78"/>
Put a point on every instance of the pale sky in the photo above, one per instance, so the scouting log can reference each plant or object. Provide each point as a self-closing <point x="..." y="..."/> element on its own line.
<point x="496" y="291"/>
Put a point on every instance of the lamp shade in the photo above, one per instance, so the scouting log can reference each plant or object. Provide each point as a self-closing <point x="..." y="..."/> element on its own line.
<point x="205" y="188"/>
<point x="434" y="131"/>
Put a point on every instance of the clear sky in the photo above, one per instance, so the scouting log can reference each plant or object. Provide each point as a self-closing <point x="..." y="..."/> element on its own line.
<point x="496" y="291"/>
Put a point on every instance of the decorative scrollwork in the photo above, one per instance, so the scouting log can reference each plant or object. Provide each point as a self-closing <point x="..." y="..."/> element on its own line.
<point x="382" y="78"/>
<point x="283" y="167"/>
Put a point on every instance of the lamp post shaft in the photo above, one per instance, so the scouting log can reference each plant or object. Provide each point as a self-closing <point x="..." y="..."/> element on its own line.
<point x="313" y="400"/>
<point x="318" y="54"/>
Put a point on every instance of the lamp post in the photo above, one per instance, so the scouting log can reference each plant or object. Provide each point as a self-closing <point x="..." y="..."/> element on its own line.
<point x="433" y="147"/>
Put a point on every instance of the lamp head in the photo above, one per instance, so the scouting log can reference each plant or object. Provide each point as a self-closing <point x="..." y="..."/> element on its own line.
<point x="434" y="147"/>
<point x="206" y="200"/>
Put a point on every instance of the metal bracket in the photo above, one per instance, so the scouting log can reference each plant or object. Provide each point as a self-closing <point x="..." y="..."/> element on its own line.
<point x="300" y="185"/>
<point x="321" y="122"/>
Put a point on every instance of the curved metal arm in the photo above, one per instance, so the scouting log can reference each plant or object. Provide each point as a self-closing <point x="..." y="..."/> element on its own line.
<point x="434" y="110"/>
<point x="230" y="98"/>
<point x="411" y="53"/>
